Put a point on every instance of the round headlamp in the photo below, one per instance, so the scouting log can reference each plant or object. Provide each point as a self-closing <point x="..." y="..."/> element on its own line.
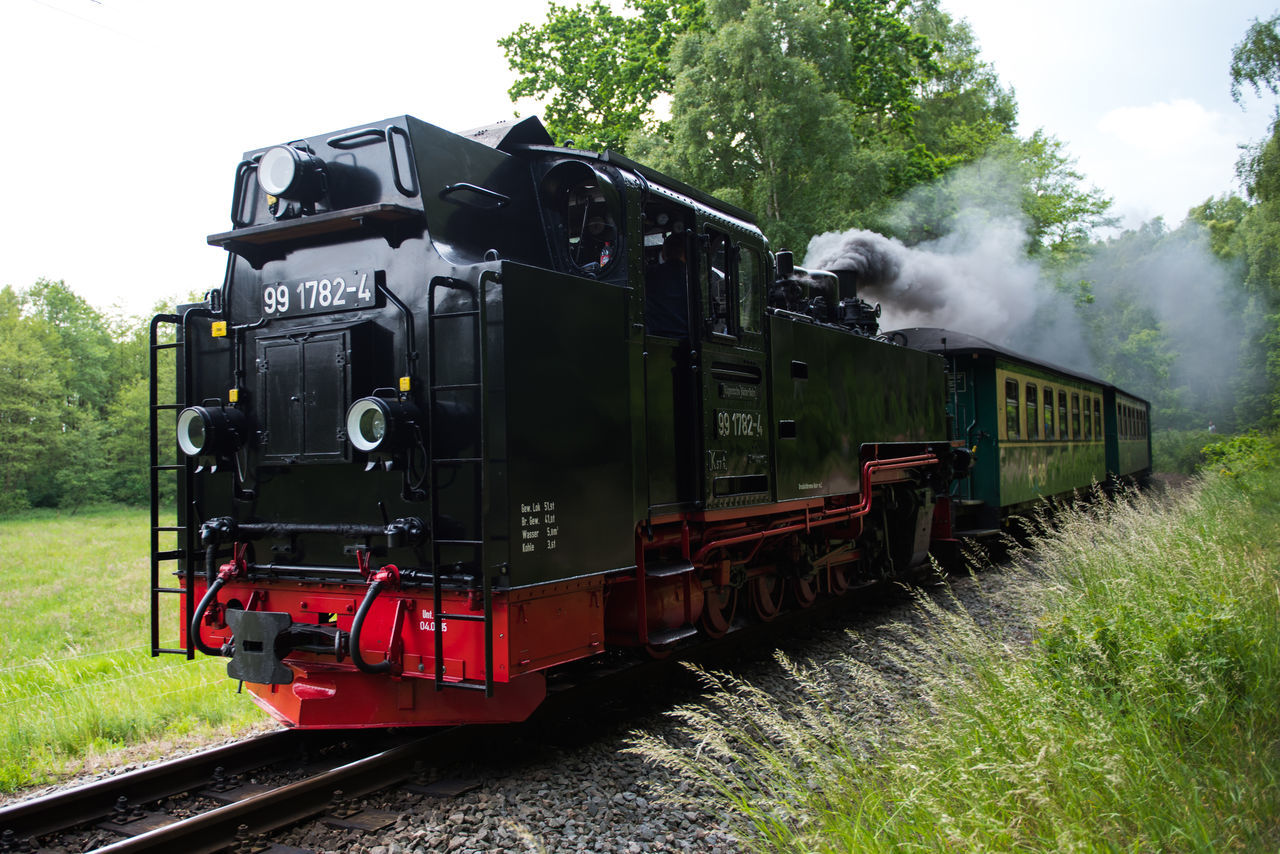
<point x="209" y="431"/>
<point x="290" y="173"/>
<point x="378" y="424"/>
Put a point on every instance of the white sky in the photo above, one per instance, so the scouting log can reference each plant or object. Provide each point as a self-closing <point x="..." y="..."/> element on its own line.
<point x="124" y="119"/>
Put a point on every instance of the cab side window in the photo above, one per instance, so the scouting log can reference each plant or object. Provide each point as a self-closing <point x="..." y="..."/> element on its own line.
<point x="719" y="285"/>
<point x="750" y="289"/>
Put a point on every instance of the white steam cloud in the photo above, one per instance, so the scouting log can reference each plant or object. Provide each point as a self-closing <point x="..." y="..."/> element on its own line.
<point x="976" y="278"/>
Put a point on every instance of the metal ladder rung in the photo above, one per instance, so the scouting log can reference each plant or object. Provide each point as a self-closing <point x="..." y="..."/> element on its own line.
<point x="468" y="686"/>
<point x="177" y="467"/>
<point x="173" y="554"/>
<point x="163" y="528"/>
<point x="164" y="649"/>
<point x="168" y="590"/>
<point x="172" y="345"/>
<point x="162" y="406"/>
<point x="478" y="327"/>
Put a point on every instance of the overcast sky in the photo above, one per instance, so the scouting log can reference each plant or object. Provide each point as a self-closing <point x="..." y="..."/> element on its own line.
<point x="124" y="119"/>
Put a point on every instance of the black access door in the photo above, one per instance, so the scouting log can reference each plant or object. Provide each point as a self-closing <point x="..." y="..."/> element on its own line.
<point x="304" y="389"/>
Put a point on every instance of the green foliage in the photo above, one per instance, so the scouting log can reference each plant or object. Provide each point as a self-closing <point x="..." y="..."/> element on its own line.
<point x="1142" y="714"/>
<point x="73" y="401"/>
<point x="598" y="72"/>
<point x="1256" y="59"/>
<point x="30" y="400"/>
<point x="813" y="115"/>
<point x="752" y="120"/>
<point x="1179" y="451"/>
<point x="1222" y="217"/>
<point x="962" y="109"/>
<point x="1244" y="453"/>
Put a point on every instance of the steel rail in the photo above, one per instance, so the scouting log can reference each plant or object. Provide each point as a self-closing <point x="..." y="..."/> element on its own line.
<point x="65" y="809"/>
<point x="215" y="830"/>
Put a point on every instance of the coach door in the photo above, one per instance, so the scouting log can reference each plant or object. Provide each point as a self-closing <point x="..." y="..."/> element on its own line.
<point x="731" y="371"/>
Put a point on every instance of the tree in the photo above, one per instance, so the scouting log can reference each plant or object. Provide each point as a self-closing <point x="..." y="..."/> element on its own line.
<point x="1062" y="213"/>
<point x="599" y="72"/>
<point x="76" y="336"/>
<point x="1256" y="59"/>
<point x="884" y="62"/>
<point x="752" y="120"/>
<point x="963" y="109"/>
<point x="29" y="406"/>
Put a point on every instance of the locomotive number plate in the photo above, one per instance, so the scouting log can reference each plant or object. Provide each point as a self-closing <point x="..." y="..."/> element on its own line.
<point x="319" y="295"/>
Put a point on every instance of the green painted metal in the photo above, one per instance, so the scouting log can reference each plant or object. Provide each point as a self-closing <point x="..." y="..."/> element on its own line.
<point x="1033" y="470"/>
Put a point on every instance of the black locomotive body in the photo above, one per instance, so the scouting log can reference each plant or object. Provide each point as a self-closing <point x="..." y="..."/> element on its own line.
<point x="460" y="414"/>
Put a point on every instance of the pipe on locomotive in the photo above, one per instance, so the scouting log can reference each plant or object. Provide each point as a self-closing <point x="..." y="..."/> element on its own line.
<point x="237" y="567"/>
<point x="388" y="576"/>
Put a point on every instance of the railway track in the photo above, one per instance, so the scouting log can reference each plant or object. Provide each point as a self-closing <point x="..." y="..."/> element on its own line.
<point x="211" y="806"/>
<point x="208" y="801"/>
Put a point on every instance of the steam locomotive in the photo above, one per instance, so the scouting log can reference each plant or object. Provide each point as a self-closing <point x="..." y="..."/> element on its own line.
<point x="470" y="407"/>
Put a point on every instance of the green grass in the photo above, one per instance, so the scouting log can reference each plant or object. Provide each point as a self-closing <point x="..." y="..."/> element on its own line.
<point x="78" y="686"/>
<point x="1142" y="715"/>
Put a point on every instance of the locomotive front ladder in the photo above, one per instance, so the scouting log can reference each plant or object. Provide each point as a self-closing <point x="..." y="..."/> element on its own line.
<point x="183" y="550"/>
<point x="475" y="320"/>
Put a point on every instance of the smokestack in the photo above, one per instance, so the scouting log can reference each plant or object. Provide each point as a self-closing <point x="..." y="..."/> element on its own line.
<point x="848" y="282"/>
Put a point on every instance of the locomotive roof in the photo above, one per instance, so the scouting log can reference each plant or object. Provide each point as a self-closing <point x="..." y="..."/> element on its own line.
<point x="530" y="135"/>
<point x="930" y="338"/>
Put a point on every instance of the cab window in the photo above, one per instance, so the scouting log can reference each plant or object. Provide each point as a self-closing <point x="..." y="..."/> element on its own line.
<point x="719" y="285"/>
<point x="750" y="289"/>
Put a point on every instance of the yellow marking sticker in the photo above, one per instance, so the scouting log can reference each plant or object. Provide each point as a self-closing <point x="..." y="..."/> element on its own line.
<point x="219" y="329"/>
<point x="404" y="383"/>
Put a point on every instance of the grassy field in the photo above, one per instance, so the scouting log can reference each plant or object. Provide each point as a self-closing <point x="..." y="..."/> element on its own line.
<point x="78" y="686"/>
<point x="1143" y="715"/>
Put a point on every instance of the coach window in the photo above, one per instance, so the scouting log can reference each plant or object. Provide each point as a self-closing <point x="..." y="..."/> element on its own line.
<point x="1033" y="411"/>
<point x="1088" y="420"/>
<point x="750" y="289"/>
<point x="1011" y="408"/>
<point x="1063" y="426"/>
<point x="1048" y="413"/>
<point x="1097" y="419"/>
<point x="1075" y="416"/>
